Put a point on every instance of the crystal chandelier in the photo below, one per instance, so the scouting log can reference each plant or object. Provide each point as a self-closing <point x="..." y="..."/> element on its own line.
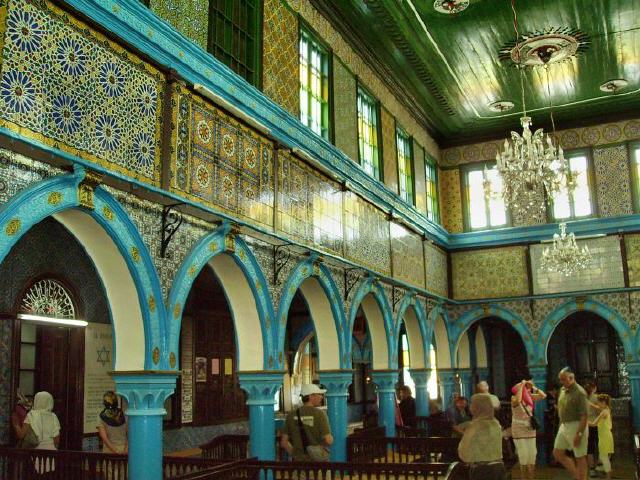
<point x="565" y="257"/>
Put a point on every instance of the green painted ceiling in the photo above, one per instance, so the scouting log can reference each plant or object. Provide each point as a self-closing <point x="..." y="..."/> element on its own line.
<point x="449" y="70"/>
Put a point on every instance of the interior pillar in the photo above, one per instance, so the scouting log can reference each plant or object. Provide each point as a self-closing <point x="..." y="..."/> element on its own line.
<point x="337" y="385"/>
<point x="449" y="382"/>
<point x="466" y="382"/>
<point x="634" y="380"/>
<point x="539" y="377"/>
<point x="386" y="381"/>
<point x="420" y="378"/>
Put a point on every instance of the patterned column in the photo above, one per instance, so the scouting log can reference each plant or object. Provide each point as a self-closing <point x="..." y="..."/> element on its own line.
<point x="337" y="385"/>
<point x="634" y="380"/>
<point x="449" y="382"/>
<point x="145" y="392"/>
<point x="420" y="378"/>
<point x="261" y="390"/>
<point x="539" y="376"/>
<point x="466" y="381"/>
<point x="386" y="381"/>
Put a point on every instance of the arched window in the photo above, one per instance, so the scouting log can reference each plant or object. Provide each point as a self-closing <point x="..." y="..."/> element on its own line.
<point x="49" y="298"/>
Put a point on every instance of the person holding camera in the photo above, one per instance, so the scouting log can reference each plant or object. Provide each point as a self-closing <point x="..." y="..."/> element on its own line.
<point x="524" y="425"/>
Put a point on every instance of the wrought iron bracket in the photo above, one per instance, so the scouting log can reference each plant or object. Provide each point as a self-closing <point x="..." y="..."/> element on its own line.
<point x="171" y="221"/>
<point x="351" y="277"/>
<point x="281" y="257"/>
<point x="396" y="294"/>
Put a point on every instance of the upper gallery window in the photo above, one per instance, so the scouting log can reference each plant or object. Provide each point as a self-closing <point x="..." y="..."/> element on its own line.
<point x="368" y="143"/>
<point x="578" y="203"/>
<point x="431" y="184"/>
<point x="482" y="211"/>
<point x="405" y="166"/>
<point x="234" y="35"/>
<point x="634" y="154"/>
<point x="314" y="84"/>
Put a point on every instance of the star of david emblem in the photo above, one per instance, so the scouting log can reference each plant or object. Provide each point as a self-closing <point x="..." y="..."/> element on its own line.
<point x="104" y="356"/>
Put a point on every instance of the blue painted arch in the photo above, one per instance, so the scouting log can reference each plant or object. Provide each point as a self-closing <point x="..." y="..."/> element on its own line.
<point x="326" y="307"/>
<point x="411" y="303"/>
<point x="607" y="313"/>
<point x="245" y="288"/>
<point x="58" y="196"/>
<point x="370" y="289"/>
<point x="462" y="324"/>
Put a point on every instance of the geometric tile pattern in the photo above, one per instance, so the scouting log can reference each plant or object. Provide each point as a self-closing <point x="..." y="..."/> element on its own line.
<point x="219" y="162"/>
<point x="309" y="204"/>
<point x="345" y="110"/>
<point x="632" y="247"/>
<point x="5" y="373"/>
<point x="435" y="266"/>
<point x="407" y="255"/>
<point x="66" y="85"/>
<point x="18" y="171"/>
<point x="491" y="273"/>
<point x="366" y="234"/>
<point x="280" y="60"/>
<point x="604" y="271"/>
<point x="450" y="200"/>
<point x="613" y="181"/>
<point x="189" y="17"/>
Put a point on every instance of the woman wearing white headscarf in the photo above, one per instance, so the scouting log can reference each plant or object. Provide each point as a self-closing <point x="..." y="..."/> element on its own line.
<point x="46" y="426"/>
<point x="481" y="444"/>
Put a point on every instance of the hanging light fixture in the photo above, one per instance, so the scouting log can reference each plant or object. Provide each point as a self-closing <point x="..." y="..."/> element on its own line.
<point x="565" y="256"/>
<point x="530" y="164"/>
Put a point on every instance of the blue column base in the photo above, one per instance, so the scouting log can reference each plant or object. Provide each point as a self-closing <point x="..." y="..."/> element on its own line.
<point x="386" y="381"/>
<point x="261" y="389"/>
<point x="145" y="392"/>
<point x="420" y="378"/>
<point x="337" y="385"/>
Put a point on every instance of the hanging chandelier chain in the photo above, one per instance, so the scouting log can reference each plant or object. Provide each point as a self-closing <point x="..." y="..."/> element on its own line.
<point x="553" y="123"/>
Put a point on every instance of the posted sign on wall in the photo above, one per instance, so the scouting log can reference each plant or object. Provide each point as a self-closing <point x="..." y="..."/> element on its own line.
<point x="98" y="357"/>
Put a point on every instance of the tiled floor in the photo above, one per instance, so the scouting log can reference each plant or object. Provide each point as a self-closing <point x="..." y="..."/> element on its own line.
<point x="623" y="469"/>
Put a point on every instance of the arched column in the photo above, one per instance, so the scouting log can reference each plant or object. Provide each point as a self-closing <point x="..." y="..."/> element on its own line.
<point x="538" y="375"/>
<point x="420" y="378"/>
<point x="464" y="365"/>
<point x="449" y="384"/>
<point x="337" y="385"/>
<point x="634" y="382"/>
<point x="386" y="381"/>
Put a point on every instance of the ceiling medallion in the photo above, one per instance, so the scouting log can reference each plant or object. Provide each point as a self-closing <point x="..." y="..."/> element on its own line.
<point x="612" y="86"/>
<point x="540" y="49"/>
<point x="501" y="106"/>
<point x="450" y="7"/>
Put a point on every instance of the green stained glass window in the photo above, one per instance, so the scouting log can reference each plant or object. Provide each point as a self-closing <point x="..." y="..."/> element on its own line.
<point x="431" y="184"/>
<point x="579" y="203"/>
<point x="482" y="211"/>
<point x="405" y="166"/>
<point x="235" y="29"/>
<point x="368" y="143"/>
<point x="314" y="84"/>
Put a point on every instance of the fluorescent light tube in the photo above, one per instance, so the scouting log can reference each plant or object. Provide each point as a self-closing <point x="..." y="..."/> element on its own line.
<point x="51" y="320"/>
<point x="220" y="101"/>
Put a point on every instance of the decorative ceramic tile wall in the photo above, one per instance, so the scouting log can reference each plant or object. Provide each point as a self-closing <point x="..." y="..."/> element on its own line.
<point x="632" y="247"/>
<point x="450" y="200"/>
<point x="189" y="17"/>
<point x="605" y="270"/>
<point x="345" y="109"/>
<point x="366" y="234"/>
<point x="361" y="69"/>
<point x="219" y="162"/>
<point x="611" y="167"/>
<point x="498" y="272"/>
<point x="280" y="60"/>
<point x="18" y="171"/>
<point x="309" y="205"/>
<point x="68" y="86"/>
<point x="389" y="155"/>
<point x="435" y="265"/>
<point x="186" y="364"/>
<point x="407" y="255"/>
<point x="569" y="139"/>
<point x="5" y="386"/>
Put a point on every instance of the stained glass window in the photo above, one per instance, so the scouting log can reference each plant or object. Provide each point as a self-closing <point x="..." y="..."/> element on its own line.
<point x="431" y="184"/>
<point x="405" y="165"/>
<point x="234" y="35"/>
<point x="368" y="134"/>
<point x="576" y="204"/>
<point x="634" y="153"/>
<point x="314" y="84"/>
<point x="482" y="212"/>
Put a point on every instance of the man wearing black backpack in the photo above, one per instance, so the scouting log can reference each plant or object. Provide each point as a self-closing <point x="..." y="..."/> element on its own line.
<point x="307" y="434"/>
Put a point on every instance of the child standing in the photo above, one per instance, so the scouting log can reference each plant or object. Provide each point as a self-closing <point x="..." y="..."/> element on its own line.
<point x="605" y="437"/>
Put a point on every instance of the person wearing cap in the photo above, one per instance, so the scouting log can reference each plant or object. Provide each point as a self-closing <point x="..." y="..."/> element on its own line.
<point x="307" y="434"/>
<point x="572" y="433"/>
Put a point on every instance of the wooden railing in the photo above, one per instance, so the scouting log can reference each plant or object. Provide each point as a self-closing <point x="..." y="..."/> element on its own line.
<point x="253" y="470"/>
<point x="226" y="448"/>
<point x="369" y="432"/>
<point x="19" y="464"/>
<point x="402" y="450"/>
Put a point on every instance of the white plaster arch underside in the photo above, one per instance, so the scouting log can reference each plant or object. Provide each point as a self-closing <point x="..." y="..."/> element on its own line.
<point x="443" y="356"/>
<point x="463" y="353"/>
<point x="416" y="343"/>
<point x="244" y="310"/>
<point x="323" y="322"/>
<point x="481" y="349"/>
<point x="124" y="303"/>
<point x="375" y="323"/>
